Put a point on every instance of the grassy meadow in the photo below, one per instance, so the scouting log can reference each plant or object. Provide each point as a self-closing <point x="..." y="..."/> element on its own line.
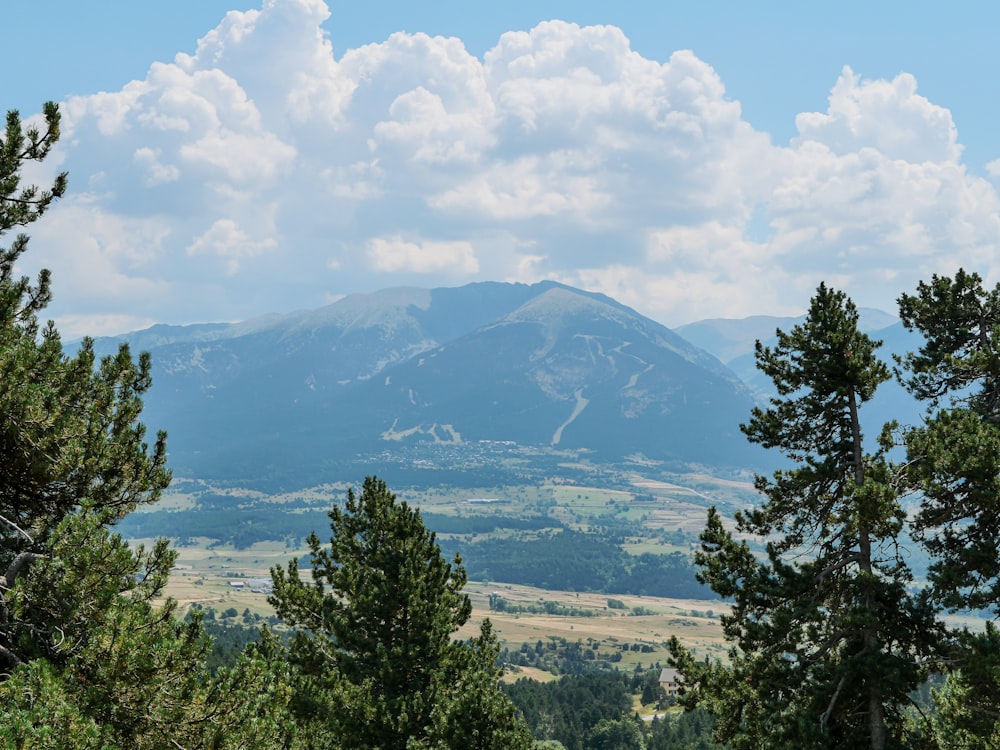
<point x="655" y="516"/>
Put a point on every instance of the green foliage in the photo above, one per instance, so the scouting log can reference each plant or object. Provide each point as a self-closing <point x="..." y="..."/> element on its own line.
<point x="965" y="709"/>
<point x="577" y="561"/>
<point x="229" y="640"/>
<point x="473" y="712"/>
<point x="88" y="659"/>
<point x="241" y="527"/>
<point x="591" y="712"/>
<point x="954" y="456"/>
<point x="561" y="656"/>
<point x="616" y="734"/>
<point x="122" y="669"/>
<point x="691" y="730"/>
<point x="958" y="318"/>
<point x="444" y="524"/>
<point x="954" y="461"/>
<point x="21" y="205"/>
<point x="569" y="709"/>
<point x="70" y="438"/>
<point x="544" y="606"/>
<point x="377" y="661"/>
<point x="649" y="688"/>
<point x="828" y="640"/>
<point x="556" y="558"/>
<point x="219" y="517"/>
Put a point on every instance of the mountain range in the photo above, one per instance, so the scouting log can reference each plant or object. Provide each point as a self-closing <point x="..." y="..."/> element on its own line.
<point x="470" y="378"/>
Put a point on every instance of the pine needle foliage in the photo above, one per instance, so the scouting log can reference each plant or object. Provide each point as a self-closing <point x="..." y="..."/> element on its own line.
<point x="828" y="640"/>
<point x="375" y="649"/>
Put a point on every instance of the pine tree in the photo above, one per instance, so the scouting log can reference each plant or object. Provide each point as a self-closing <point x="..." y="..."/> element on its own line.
<point x="828" y="641"/>
<point x="953" y="459"/>
<point x="70" y="438"/>
<point x="954" y="456"/>
<point x="119" y="669"/>
<point x="378" y="663"/>
<point x="966" y="713"/>
<point x="473" y="712"/>
<point x="90" y="657"/>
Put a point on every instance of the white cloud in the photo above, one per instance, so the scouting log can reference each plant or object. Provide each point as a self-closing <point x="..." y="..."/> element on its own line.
<point x="527" y="188"/>
<point x="712" y="244"/>
<point x="864" y="215"/>
<point x="397" y="254"/>
<point x="239" y="158"/>
<point x="156" y="172"/>
<point x="98" y="257"/>
<point x="74" y="327"/>
<point x="269" y="175"/>
<point x="226" y="239"/>
<point x="697" y="292"/>
<point x="886" y="115"/>
<point x="424" y="129"/>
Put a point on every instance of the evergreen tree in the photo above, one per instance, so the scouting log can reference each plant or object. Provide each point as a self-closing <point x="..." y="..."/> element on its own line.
<point x="966" y="712"/>
<point x="122" y="671"/>
<point x="378" y="664"/>
<point x="691" y="730"/>
<point x="568" y="709"/>
<point x="954" y="461"/>
<point x="617" y="734"/>
<point x="473" y="712"/>
<point x="87" y="658"/>
<point x="828" y="641"/>
<point x="70" y="439"/>
<point x="954" y="456"/>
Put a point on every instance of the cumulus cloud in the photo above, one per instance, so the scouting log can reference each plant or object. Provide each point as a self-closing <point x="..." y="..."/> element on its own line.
<point x="888" y="116"/>
<point x="395" y="254"/>
<point x="154" y="170"/>
<point x="227" y="240"/>
<point x="527" y="188"/>
<point x="877" y="196"/>
<point x="263" y="173"/>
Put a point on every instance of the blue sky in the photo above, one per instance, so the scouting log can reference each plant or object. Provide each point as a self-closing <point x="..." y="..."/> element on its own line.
<point x="726" y="181"/>
<point x="776" y="58"/>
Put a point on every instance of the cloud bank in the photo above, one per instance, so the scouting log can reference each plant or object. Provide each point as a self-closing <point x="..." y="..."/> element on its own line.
<point x="263" y="173"/>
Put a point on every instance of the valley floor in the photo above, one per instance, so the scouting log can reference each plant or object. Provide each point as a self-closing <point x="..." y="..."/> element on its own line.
<point x="619" y="630"/>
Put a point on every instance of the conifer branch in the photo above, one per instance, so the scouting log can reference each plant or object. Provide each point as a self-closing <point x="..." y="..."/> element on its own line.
<point x="24" y="533"/>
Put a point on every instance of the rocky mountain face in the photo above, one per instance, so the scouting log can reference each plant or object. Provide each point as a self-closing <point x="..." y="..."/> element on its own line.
<point x="545" y="366"/>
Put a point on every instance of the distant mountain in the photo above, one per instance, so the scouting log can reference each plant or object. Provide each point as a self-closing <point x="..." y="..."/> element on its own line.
<point x="730" y="338"/>
<point x="289" y="400"/>
<point x="733" y="341"/>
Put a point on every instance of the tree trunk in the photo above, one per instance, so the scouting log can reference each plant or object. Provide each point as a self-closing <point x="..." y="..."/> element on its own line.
<point x="876" y="717"/>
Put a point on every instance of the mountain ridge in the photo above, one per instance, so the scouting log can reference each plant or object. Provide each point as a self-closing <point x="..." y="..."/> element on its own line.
<point x="546" y="367"/>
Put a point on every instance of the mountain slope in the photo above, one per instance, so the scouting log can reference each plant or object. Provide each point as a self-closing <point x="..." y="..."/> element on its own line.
<point x="291" y="399"/>
<point x="731" y="338"/>
<point x="572" y="372"/>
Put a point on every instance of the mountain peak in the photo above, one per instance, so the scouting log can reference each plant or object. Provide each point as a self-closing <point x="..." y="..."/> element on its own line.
<point x="537" y="365"/>
<point x="557" y="302"/>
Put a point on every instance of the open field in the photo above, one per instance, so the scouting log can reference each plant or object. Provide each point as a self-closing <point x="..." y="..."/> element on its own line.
<point x="679" y="503"/>
<point x="659" y="515"/>
<point x="204" y="574"/>
<point x="694" y="622"/>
